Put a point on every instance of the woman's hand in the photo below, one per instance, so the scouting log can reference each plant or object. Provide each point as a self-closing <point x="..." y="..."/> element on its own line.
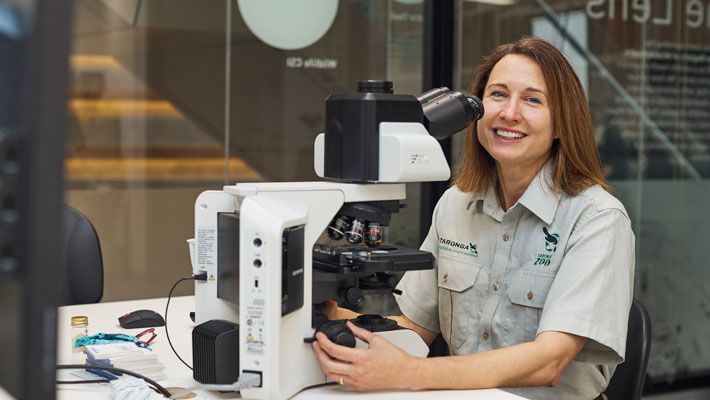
<point x="381" y="366"/>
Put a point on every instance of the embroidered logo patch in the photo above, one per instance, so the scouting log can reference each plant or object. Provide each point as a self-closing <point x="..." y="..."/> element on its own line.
<point x="551" y="240"/>
<point x="452" y="246"/>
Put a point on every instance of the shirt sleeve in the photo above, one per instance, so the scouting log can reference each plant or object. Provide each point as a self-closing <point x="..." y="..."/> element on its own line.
<point x="593" y="290"/>
<point x="420" y="291"/>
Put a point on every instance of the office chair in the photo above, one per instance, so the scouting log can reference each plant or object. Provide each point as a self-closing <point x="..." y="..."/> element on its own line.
<point x="627" y="382"/>
<point x="439" y="348"/>
<point x="84" y="271"/>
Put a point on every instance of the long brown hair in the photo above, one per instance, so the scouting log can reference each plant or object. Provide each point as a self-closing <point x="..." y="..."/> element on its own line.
<point x="575" y="158"/>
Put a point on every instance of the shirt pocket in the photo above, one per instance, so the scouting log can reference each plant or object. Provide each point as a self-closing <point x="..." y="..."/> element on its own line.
<point x="456" y="299"/>
<point x="527" y="292"/>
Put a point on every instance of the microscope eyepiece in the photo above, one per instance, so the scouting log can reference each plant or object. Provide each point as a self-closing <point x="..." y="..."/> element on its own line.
<point x="447" y="112"/>
<point x="476" y="108"/>
<point x="432" y="94"/>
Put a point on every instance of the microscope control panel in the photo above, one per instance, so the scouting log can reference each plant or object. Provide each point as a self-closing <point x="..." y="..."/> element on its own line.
<point x="255" y="307"/>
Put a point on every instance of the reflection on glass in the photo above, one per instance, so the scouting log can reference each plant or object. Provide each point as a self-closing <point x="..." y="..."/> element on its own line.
<point x="147" y="116"/>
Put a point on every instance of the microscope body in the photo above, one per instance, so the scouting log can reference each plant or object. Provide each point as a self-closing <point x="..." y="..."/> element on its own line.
<point x="276" y="223"/>
<point x="267" y="273"/>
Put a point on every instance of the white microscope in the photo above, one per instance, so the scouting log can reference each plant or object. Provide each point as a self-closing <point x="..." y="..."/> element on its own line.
<point x="267" y="274"/>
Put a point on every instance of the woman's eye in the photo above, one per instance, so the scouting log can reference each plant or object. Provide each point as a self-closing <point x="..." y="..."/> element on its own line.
<point x="534" y="100"/>
<point x="497" y="93"/>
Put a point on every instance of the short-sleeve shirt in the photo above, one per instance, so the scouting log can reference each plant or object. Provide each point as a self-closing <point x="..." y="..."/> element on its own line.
<point x="552" y="262"/>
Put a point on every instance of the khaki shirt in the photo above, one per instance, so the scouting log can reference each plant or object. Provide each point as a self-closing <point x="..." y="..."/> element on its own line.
<point x="552" y="262"/>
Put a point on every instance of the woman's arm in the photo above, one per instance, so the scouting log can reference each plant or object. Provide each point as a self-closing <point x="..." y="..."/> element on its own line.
<point x="537" y="363"/>
<point x="384" y="365"/>
<point x="426" y="335"/>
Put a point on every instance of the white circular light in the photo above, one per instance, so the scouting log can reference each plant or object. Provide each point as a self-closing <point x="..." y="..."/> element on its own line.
<point x="288" y="24"/>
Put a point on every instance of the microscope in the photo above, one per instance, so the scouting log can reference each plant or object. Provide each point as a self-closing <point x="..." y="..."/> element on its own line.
<point x="262" y="248"/>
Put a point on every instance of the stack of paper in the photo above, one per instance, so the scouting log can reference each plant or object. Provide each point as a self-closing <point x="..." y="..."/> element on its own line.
<point x="126" y="356"/>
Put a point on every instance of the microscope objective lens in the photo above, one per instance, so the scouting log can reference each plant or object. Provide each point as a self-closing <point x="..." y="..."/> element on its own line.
<point x="337" y="227"/>
<point x="354" y="235"/>
<point x="373" y="234"/>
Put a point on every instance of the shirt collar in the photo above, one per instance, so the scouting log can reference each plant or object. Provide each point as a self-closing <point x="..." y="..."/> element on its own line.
<point x="539" y="198"/>
<point x="490" y="204"/>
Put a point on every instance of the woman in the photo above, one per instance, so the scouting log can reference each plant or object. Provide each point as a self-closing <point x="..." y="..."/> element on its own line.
<point x="538" y="301"/>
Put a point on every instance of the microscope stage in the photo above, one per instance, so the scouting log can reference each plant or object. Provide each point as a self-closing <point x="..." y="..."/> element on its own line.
<point x="349" y="259"/>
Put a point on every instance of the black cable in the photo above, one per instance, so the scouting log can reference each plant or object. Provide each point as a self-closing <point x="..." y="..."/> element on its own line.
<point x="151" y="382"/>
<point x="202" y="277"/>
<point x="84" y="381"/>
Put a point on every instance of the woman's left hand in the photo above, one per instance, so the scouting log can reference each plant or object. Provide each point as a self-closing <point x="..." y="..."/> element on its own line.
<point x="381" y="366"/>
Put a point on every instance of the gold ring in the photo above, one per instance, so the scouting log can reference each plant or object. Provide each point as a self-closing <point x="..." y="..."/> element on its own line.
<point x="341" y="380"/>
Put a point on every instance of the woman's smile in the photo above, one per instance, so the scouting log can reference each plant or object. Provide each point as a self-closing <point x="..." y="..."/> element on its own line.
<point x="507" y="135"/>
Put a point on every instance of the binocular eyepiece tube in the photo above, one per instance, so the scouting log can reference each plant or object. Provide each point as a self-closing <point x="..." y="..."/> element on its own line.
<point x="447" y="112"/>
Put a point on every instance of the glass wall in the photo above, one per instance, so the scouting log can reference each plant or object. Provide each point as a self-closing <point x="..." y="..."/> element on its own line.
<point x="645" y="67"/>
<point x="173" y="97"/>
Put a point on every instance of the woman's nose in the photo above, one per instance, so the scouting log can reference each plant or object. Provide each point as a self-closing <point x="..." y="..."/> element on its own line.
<point x="511" y="110"/>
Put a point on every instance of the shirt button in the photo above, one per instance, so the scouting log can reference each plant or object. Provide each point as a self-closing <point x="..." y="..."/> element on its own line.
<point x="485" y="335"/>
<point x="506" y="237"/>
<point x="496" y="287"/>
<point x="530" y="295"/>
<point x="446" y="278"/>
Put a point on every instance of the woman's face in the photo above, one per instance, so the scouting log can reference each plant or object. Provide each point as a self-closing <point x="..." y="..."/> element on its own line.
<point x="516" y="128"/>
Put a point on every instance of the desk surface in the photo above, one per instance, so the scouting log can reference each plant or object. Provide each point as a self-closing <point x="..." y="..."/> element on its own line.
<point x="103" y="317"/>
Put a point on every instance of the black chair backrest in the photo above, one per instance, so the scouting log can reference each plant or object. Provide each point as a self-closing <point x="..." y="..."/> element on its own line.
<point x="439" y="348"/>
<point x="628" y="379"/>
<point x="84" y="270"/>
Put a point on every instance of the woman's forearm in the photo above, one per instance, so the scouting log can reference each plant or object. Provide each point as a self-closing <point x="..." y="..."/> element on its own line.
<point x="426" y="335"/>
<point x="538" y="363"/>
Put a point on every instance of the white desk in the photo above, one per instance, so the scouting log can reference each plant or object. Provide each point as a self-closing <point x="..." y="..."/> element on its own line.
<point x="103" y="317"/>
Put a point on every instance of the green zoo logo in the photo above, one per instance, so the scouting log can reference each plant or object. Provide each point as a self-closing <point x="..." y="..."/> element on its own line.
<point x="542" y="261"/>
<point x="551" y="240"/>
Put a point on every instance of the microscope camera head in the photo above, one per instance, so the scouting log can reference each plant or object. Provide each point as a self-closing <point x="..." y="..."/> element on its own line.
<point x="376" y="136"/>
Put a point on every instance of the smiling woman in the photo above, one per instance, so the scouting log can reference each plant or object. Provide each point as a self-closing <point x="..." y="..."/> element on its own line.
<point x="516" y="129"/>
<point x="548" y="90"/>
<point x="550" y="275"/>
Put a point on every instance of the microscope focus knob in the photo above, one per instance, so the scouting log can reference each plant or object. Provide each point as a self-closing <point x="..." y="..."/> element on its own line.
<point x="338" y="333"/>
<point x="353" y="295"/>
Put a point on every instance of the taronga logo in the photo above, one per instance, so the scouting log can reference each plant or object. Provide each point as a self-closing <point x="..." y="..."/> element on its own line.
<point x="551" y="240"/>
<point x="469" y="249"/>
<point x="473" y="248"/>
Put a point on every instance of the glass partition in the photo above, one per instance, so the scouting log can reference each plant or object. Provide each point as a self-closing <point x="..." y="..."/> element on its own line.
<point x="645" y="67"/>
<point x="172" y="97"/>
